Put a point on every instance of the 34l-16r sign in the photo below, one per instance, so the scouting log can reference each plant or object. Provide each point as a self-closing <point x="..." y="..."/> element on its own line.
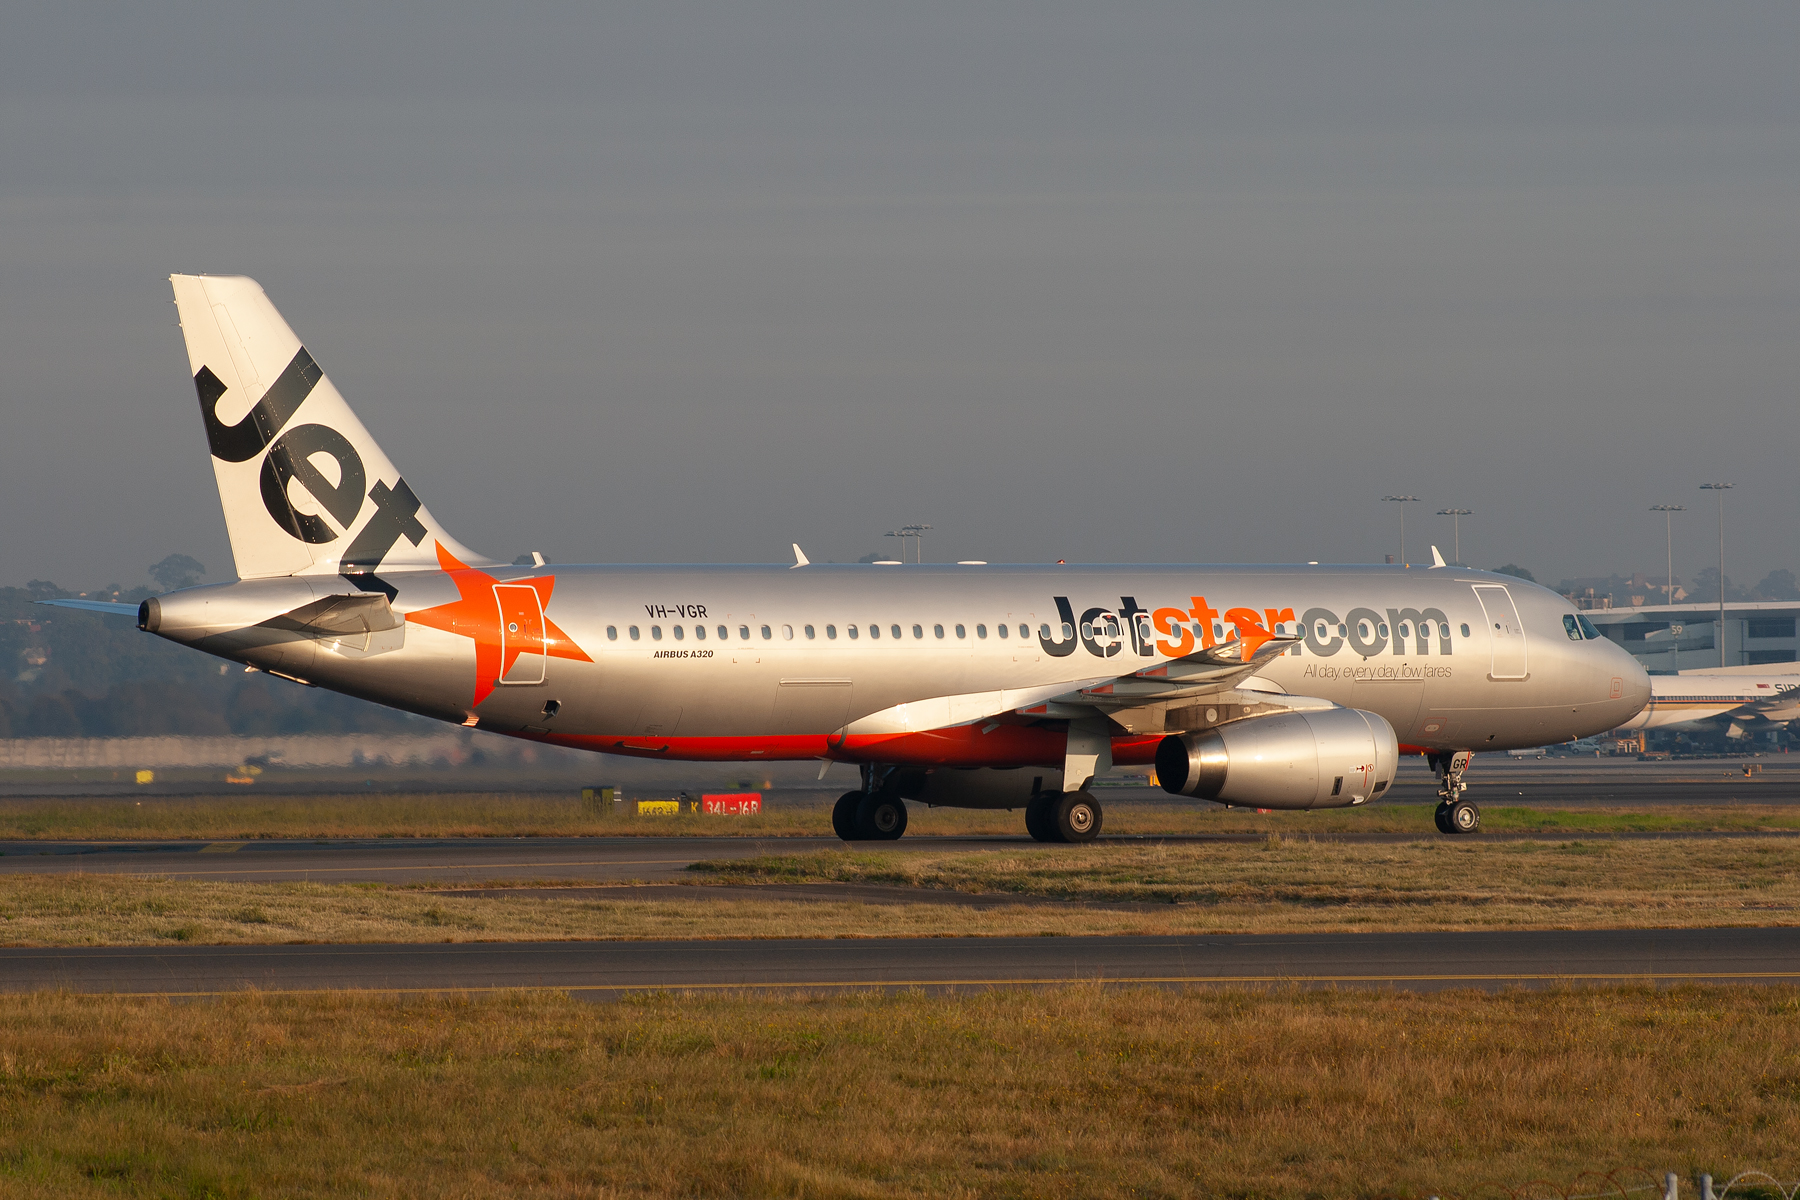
<point x="731" y="804"/>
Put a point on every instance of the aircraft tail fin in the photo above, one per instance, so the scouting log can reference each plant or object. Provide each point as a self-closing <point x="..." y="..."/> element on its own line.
<point x="305" y="489"/>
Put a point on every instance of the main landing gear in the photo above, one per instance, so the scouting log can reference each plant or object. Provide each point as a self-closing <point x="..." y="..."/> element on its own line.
<point x="1063" y="817"/>
<point x="1454" y="814"/>
<point x="869" y="816"/>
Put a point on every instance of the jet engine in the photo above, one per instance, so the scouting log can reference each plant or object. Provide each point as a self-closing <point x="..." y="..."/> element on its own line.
<point x="1326" y="759"/>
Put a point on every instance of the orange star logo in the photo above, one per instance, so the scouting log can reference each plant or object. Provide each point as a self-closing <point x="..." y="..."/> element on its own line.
<point x="505" y="620"/>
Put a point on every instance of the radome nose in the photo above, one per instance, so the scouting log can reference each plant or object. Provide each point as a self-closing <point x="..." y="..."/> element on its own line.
<point x="1634" y="681"/>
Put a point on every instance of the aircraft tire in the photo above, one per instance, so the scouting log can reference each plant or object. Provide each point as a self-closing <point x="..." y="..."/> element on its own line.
<point x="881" y="818"/>
<point x="1076" y="817"/>
<point x="1463" y="817"/>
<point x="1442" y="818"/>
<point x="1040" y="817"/>
<point x="843" y="816"/>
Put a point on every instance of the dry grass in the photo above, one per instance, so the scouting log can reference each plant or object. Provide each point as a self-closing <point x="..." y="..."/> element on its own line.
<point x="477" y="814"/>
<point x="1288" y="884"/>
<point x="117" y="910"/>
<point x="1272" y="886"/>
<point x="1066" y="1092"/>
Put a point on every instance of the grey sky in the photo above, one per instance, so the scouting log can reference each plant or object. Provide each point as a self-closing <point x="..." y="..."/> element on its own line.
<point x="1102" y="282"/>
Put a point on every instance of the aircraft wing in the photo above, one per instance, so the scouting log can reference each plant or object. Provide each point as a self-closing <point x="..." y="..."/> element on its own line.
<point x="1214" y="669"/>
<point x="1779" y="706"/>
<point x="1211" y="672"/>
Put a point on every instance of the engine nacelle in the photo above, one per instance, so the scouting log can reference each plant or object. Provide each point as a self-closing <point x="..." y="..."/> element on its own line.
<point x="1327" y="759"/>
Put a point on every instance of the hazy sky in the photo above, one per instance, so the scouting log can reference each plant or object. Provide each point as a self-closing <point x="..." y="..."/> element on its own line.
<point x="689" y="282"/>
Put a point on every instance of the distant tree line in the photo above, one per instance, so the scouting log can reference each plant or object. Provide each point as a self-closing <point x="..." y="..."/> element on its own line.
<point x="66" y="673"/>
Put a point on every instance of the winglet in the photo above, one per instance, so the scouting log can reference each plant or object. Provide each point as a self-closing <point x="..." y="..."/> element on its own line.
<point x="1437" y="560"/>
<point x="800" y="559"/>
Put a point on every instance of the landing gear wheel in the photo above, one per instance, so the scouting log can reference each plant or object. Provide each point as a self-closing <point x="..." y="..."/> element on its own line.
<point x="1442" y="817"/>
<point x="1077" y="817"/>
<point x="843" y="816"/>
<point x="881" y="818"/>
<point x="1463" y="817"/>
<point x="1040" y="817"/>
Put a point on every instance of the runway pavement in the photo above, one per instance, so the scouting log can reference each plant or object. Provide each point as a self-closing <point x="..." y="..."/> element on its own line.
<point x="598" y="970"/>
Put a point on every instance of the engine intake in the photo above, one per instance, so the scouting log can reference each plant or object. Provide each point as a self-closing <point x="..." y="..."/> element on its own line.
<point x="1328" y="759"/>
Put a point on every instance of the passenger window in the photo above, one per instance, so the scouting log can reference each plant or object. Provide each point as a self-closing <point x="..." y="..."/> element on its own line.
<point x="1405" y="629"/>
<point x="1000" y="629"/>
<point x="1112" y="627"/>
<point x="1382" y="629"/>
<point x="853" y="630"/>
<point x="787" y="633"/>
<point x="895" y="630"/>
<point x="1587" y="627"/>
<point x="918" y="631"/>
<point x="980" y="631"/>
<point x="809" y="633"/>
<point x="1343" y="630"/>
<point x="679" y="631"/>
<point x="766" y="634"/>
<point x="1218" y="631"/>
<point x="1362" y="630"/>
<point x="1068" y="632"/>
<point x="874" y="631"/>
<point x="938" y="631"/>
<point x="1571" y="628"/>
<point x="656" y="633"/>
<point x="831" y="632"/>
<point x="1321" y="631"/>
<point x="1465" y="630"/>
<point x="1087" y="629"/>
<point x="724" y="633"/>
<point x="1025" y="630"/>
<point x="612" y="633"/>
<point x="633" y="632"/>
<point x="961" y="632"/>
<point x="743" y="633"/>
<point x="700" y="633"/>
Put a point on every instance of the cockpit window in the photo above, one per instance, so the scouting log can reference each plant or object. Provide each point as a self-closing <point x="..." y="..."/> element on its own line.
<point x="1587" y="627"/>
<point x="1571" y="628"/>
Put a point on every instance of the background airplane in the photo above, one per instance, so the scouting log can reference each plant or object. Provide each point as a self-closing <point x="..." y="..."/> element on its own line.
<point x="1732" y="706"/>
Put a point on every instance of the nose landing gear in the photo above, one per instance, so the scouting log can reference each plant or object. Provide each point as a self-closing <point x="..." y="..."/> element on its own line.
<point x="1454" y="814"/>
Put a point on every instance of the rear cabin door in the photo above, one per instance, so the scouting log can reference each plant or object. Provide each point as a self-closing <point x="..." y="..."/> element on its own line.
<point x="1505" y="632"/>
<point x="521" y="632"/>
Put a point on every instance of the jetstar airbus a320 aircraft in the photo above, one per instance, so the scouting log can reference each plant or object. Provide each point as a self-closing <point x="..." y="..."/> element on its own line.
<point x="970" y="685"/>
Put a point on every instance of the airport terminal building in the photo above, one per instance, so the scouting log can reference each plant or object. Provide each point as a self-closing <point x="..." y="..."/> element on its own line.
<point x="1668" y="638"/>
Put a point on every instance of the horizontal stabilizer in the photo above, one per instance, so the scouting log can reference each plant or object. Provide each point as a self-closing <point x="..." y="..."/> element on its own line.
<point x="99" y="606"/>
<point x="338" y="616"/>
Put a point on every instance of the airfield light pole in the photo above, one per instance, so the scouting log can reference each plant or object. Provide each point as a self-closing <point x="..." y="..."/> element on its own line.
<point x="1456" y="515"/>
<point x="1719" y="490"/>
<point x="1402" y="501"/>
<point x="1668" y="511"/>
<point x="915" y="532"/>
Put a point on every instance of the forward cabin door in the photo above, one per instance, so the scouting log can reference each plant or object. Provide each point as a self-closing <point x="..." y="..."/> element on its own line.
<point x="521" y="630"/>
<point x="1506" y="633"/>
